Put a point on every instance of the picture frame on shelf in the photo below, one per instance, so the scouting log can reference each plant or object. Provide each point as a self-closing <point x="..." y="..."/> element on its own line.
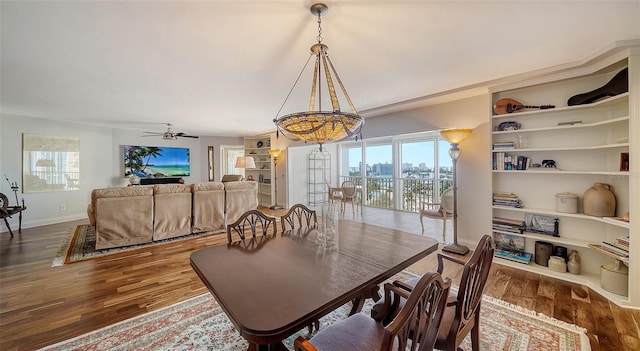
<point x="536" y="223"/>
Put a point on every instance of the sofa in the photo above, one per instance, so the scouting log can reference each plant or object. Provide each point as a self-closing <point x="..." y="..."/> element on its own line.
<point x="208" y="206"/>
<point x="121" y="216"/>
<point x="171" y="211"/>
<point x="143" y="214"/>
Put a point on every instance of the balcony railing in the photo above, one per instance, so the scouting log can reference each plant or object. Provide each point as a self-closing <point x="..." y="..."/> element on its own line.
<point x="414" y="192"/>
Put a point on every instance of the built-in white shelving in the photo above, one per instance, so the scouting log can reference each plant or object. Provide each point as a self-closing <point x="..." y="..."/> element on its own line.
<point x="587" y="142"/>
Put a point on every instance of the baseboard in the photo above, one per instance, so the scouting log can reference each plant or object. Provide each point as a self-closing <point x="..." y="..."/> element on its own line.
<point x="13" y="222"/>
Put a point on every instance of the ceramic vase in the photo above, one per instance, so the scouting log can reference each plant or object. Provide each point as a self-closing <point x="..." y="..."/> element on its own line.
<point x="599" y="201"/>
<point x="574" y="266"/>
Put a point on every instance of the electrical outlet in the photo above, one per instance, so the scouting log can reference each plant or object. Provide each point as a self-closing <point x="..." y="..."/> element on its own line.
<point x="63" y="207"/>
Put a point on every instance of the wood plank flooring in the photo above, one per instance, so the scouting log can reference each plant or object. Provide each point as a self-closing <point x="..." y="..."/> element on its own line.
<point x="41" y="305"/>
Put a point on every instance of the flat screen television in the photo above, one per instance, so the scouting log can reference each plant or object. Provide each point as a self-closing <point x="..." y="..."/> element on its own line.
<point x="156" y="162"/>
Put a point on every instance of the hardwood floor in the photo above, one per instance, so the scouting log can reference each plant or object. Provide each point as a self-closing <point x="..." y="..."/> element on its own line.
<point x="41" y="305"/>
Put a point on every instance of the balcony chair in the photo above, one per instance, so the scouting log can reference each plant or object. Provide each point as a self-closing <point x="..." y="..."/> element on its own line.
<point x="422" y="312"/>
<point x="441" y="210"/>
<point x="334" y="194"/>
<point x="252" y="219"/>
<point x="348" y="195"/>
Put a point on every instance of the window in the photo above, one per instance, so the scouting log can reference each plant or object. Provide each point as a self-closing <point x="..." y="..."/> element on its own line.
<point x="401" y="172"/>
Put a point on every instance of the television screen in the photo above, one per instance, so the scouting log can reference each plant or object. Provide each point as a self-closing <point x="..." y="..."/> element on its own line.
<point x="154" y="161"/>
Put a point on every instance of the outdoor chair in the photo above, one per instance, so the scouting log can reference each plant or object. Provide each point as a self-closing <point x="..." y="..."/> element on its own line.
<point x="440" y="210"/>
<point x="334" y="194"/>
<point x="348" y="195"/>
<point x="253" y="220"/>
<point x="298" y="214"/>
<point x="422" y="312"/>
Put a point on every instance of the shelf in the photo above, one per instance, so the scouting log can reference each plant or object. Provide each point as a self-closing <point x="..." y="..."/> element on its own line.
<point x="572" y="148"/>
<point x="588" y="279"/>
<point x="621" y="98"/>
<point x="557" y="171"/>
<point x="608" y="220"/>
<point x="550" y="238"/>
<point x="565" y="127"/>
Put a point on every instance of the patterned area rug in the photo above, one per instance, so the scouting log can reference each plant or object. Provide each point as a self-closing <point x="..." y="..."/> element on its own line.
<point x="81" y="246"/>
<point x="200" y="324"/>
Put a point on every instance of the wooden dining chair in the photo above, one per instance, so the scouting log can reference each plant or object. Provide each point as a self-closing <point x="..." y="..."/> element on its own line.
<point x="298" y="216"/>
<point x="422" y="312"/>
<point x="348" y="195"/>
<point x="462" y="313"/>
<point x="439" y="210"/>
<point x="254" y="220"/>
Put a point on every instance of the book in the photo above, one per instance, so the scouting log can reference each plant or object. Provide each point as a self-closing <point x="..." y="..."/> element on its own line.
<point x="517" y="256"/>
<point x="612" y="248"/>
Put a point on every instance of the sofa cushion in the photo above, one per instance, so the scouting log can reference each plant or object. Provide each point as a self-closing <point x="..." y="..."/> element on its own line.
<point x="208" y="206"/>
<point x="171" y="211"/>
<point x="240" y="197"/>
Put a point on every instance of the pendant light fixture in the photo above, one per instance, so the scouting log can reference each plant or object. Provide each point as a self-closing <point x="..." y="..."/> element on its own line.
<point x="318" y="126"/>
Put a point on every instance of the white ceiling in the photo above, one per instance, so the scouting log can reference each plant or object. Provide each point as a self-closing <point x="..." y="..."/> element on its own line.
<point x="225" y="67"/>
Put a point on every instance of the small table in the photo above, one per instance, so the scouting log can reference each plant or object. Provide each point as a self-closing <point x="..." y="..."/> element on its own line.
<point x="273" y="286"/>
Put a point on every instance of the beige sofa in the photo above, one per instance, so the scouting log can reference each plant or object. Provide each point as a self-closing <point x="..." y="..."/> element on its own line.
<point x="171" y="211"/>
<point x="208" y="206"/>
<point x="239" y="198"/>
<point x="121" y="216"/>
<point x="142" y="214"/>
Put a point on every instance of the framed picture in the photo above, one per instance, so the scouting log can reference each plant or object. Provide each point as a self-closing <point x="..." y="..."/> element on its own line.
<point x="50" y="163"/>
<point x="624" y="162"/>
<point x="542" y="224"/>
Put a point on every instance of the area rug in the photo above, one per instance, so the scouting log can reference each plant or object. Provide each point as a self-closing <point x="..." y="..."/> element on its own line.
<point x="81" y="245"/>
<point x="200" y="324"/>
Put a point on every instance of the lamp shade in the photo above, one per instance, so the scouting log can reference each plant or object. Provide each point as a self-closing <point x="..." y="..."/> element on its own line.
<point x="245" y="162"/>
<point x="275" y="152"/>
<point x="455" y="136"/>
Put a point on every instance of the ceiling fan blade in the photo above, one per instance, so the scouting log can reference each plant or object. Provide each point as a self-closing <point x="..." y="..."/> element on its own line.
<point x="186" y="136"/>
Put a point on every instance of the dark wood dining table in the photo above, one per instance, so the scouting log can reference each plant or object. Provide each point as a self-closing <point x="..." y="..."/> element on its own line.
<point x="273" y="286"/>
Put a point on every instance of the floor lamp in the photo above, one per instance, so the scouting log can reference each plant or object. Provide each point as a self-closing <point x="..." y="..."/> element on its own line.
<point x="275" y="153"/>
<point x="454" y="137"/>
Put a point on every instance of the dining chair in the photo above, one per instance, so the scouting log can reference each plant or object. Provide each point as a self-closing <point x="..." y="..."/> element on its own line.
<point x="462" y="313"/>
<point x="439" y="210"/>
<point x="298" y="214"/>
<point x="254" y="220"/>
<point x="348" y="195"/>
<point x="422" y="312"/>
<point x="334" y="194"/>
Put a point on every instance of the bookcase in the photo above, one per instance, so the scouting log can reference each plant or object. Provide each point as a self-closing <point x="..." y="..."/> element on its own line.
<point x="258" y="147"/>
<point x="538" y="152"/>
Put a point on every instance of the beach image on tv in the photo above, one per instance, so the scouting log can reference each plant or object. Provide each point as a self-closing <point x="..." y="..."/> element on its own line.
<point x="153" y="161"/>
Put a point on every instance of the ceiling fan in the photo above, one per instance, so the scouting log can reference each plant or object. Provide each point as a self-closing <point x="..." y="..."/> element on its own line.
<point x="169" y="134"/>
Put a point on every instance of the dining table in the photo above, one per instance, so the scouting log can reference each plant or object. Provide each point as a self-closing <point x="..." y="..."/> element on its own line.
<point x="272" y="286"/>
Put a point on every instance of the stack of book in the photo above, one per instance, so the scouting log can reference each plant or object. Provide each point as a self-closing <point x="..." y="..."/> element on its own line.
<point x="506" y="145"/>
<point x="619" y="247"/>
<point x="507" y="199"/>
<point x="506" y="162"/>
<point x="511" y="247"/>
<point x="508" y="225"/>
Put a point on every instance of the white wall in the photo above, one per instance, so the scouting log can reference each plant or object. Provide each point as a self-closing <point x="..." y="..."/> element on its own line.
<point x="101" y="163"/>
